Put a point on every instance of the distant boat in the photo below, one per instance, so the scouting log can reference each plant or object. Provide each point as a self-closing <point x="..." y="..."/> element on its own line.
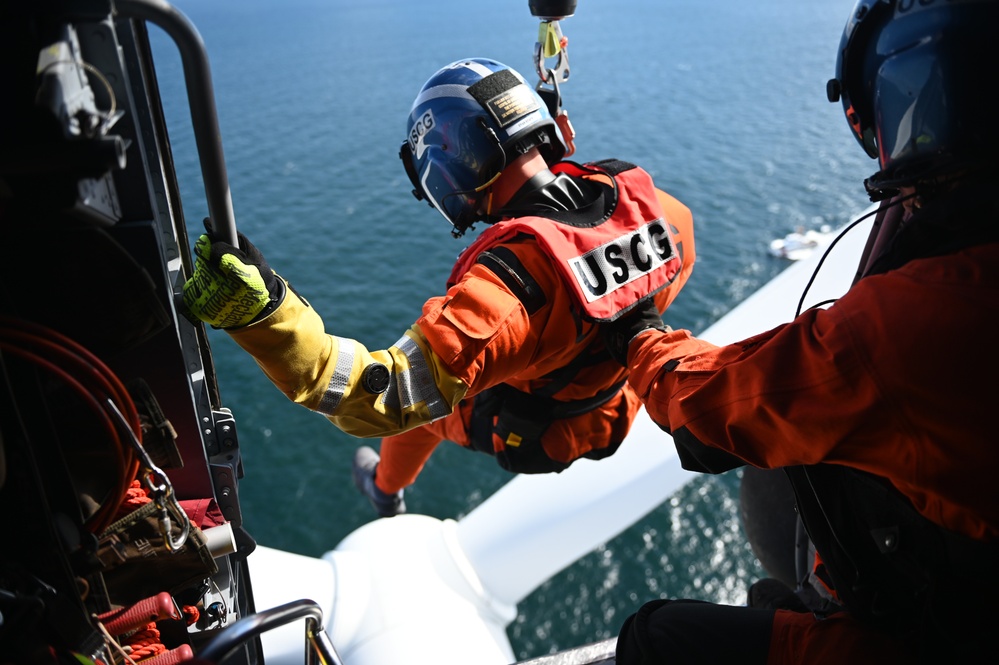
<point x="800" y="243"/>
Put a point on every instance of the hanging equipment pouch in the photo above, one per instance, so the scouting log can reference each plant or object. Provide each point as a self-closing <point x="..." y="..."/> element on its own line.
<point x="519" y="420"/>
<point x="138" y="564"/>
<point x="520" y="424"/>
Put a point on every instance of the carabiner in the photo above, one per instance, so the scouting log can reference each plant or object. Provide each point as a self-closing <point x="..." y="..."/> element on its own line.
<point x="552" y="98"/>
<point x="162" y="494"/>
<point x="166" y="502"/>
<point x="551" y="43"/>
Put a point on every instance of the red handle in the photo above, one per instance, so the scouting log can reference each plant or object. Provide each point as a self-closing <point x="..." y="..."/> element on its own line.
<point x="127" y="619"/>
<point x="172" y="657"/>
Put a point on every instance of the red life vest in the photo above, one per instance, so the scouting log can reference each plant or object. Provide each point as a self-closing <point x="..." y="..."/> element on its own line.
<point x="609" y="265"/>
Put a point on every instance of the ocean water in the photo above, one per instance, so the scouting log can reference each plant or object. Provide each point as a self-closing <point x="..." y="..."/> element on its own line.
<point x="722" y="102"/>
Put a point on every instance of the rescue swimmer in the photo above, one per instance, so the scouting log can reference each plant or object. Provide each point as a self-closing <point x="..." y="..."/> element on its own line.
<point x="509" y="360"/>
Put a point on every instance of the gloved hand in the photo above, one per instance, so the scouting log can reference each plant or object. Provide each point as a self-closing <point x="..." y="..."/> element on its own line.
<point x="230" y="286"/>
<point x="619" y="333"/>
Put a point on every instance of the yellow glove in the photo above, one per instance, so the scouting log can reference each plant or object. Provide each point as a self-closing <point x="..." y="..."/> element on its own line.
<point x="230" y="287"/>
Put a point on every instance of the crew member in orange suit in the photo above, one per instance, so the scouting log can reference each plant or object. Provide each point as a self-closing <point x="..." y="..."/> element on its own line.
<point x="879" y="409"/>
<point x="509" y="361"/>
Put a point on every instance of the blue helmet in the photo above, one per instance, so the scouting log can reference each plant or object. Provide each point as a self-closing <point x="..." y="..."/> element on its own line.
<point x="914" y="80"/>
<point x="469" y="121"/>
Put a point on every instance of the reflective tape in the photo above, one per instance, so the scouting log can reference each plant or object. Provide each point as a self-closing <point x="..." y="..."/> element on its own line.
<point x="415" y="385"/>
<point x="346" y="349"/>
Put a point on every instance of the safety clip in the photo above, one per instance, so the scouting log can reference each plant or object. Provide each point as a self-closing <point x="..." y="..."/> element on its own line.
<point x="551" y="42"/>
<point x="160" y="489"/>
<point x="553" y="100"/>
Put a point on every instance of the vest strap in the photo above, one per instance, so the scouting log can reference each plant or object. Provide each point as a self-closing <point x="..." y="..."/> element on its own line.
<point x="503" y="263"/>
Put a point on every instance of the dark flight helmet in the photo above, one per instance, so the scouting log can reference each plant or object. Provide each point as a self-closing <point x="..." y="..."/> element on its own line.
<point x="469" y="121"/>
<point x="916" y="79"/>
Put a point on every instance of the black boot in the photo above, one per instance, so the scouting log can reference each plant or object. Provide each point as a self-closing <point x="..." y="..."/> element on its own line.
<point x="365" y="463"/>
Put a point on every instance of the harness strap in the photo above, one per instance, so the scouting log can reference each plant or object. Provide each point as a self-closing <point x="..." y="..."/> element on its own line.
<point x="571" y="409"/>
<point x="890" y="565"/>
<point x="502" y="262"/>
<point x="614" y="166"/>
<point x="538" y="410"/>
<point x="559" y="378"/>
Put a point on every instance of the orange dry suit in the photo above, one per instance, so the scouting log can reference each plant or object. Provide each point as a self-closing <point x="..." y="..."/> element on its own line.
<point x="508" y="317"/>
<point x="881" y="410"/>
<point x="608" y="264"/>
<point x="568" y="269"/>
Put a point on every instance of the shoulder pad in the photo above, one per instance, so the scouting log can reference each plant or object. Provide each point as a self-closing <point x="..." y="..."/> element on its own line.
<point x="505" y="265"/>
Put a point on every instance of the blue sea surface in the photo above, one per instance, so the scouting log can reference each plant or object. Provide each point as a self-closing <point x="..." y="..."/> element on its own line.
<point x="723" y="102"/>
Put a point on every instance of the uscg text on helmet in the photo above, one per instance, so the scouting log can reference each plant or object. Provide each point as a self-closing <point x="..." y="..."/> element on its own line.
<point x="626" y="258"/>
<point x="419" y="130"/>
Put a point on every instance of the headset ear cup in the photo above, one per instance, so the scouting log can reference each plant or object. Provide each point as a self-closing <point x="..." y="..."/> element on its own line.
<point x="406" y="155"/>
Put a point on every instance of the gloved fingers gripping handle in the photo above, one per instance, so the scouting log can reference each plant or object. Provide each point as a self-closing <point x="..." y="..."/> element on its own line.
<point x="617" y="335"/>
<point x="230" y="287"/>
<point x="213" y="250"/>
<point x="247" y="253"/>
<point x="250" y="253"/>
<point x="227" y="295"/>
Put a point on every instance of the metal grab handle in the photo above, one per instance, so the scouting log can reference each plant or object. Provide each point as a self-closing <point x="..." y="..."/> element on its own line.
<point x="318" y="648"/>
<point x="201" y="99"/>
